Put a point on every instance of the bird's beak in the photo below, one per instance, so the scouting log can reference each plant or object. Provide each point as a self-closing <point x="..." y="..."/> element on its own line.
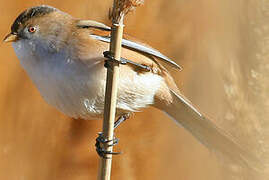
<point x="11" y="38"/>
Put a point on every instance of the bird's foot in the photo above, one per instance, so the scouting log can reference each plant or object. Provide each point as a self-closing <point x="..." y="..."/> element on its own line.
<point x="102" y="142"/>
<point x="142" y="67"/>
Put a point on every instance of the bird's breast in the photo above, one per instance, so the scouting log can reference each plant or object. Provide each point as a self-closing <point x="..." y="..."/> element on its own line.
<point x="73" y="87"/>
<point x="77" y="87"/>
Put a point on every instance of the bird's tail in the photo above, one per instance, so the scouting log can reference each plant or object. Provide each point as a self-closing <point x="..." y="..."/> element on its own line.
<point x="203" y="129"/>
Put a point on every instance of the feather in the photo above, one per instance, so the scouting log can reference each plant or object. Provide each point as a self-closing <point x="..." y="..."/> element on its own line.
<point x="140" y="48"/>
<point x="92" y="24"/>
<point x="213" y="137"/>
<point x="130" y="44"/>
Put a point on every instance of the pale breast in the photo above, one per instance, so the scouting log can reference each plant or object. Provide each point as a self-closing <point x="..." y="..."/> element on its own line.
<point x="67" y="84"/>
<point x="77" y="87"/>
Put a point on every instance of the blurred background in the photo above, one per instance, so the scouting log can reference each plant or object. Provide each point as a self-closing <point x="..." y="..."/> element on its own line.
<point x="223" y="48"/>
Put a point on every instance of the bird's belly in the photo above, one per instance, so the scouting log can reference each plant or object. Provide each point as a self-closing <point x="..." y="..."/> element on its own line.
<point x="78" y="95"/>
<point x="78" y="89"/>
<point x="83" y="97"/>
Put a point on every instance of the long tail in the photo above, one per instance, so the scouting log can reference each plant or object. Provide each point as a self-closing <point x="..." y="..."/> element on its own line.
<point x="215" y="138"/>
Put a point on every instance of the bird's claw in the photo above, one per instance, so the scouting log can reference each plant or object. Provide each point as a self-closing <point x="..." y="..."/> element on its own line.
<point x="108" y="55"/>
<point x="101" y="142"/>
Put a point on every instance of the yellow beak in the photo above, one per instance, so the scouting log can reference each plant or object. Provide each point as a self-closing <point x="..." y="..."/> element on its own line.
<point x="11" y="38"/>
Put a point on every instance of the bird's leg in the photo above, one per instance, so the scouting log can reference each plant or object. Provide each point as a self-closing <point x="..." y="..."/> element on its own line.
<point x="121" y="119"/>
<point x="101" y="141"/>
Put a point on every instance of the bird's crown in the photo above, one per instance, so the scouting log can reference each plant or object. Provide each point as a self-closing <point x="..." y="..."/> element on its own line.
<point x="30" y="13"/>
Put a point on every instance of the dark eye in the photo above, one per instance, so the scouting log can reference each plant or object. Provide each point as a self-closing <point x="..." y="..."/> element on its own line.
<point x="31" y="29"/>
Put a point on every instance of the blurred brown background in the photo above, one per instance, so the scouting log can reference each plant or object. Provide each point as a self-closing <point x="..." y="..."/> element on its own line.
<point x="222" y="45"/>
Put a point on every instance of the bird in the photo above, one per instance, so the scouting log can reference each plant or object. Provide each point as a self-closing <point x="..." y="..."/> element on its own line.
<point x="63" y="56"/>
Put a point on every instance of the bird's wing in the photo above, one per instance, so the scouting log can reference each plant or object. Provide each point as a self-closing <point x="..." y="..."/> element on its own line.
<point x="101" y="32"/>
<point x="92" y="24"/>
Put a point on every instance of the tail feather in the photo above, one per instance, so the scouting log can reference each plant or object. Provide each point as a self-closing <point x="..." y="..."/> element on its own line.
<point x="202" y="128"/>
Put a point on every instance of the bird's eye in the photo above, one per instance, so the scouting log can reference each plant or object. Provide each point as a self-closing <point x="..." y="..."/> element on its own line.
<point x="31" y="29"/>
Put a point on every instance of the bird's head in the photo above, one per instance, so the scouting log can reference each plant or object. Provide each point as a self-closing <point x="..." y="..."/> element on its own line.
<point x="40" y="26"/>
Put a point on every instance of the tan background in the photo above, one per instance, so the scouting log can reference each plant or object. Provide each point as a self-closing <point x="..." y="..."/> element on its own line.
<point x="222" y="45"/>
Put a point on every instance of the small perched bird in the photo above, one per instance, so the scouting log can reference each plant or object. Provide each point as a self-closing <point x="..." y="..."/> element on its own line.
<point x="64" y="58"/>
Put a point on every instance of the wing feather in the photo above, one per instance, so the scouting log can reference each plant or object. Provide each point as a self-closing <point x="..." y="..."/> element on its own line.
<point x="100" y="32"/>
<point x="140" y="48"/>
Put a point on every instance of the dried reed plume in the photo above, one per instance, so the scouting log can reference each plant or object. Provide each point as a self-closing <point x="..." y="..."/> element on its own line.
<point x="123" y="7"/>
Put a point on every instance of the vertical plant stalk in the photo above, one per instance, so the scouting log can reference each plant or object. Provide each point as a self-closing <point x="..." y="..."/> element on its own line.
<point x="111" y="98"/>
<point x="120" y="9"/>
